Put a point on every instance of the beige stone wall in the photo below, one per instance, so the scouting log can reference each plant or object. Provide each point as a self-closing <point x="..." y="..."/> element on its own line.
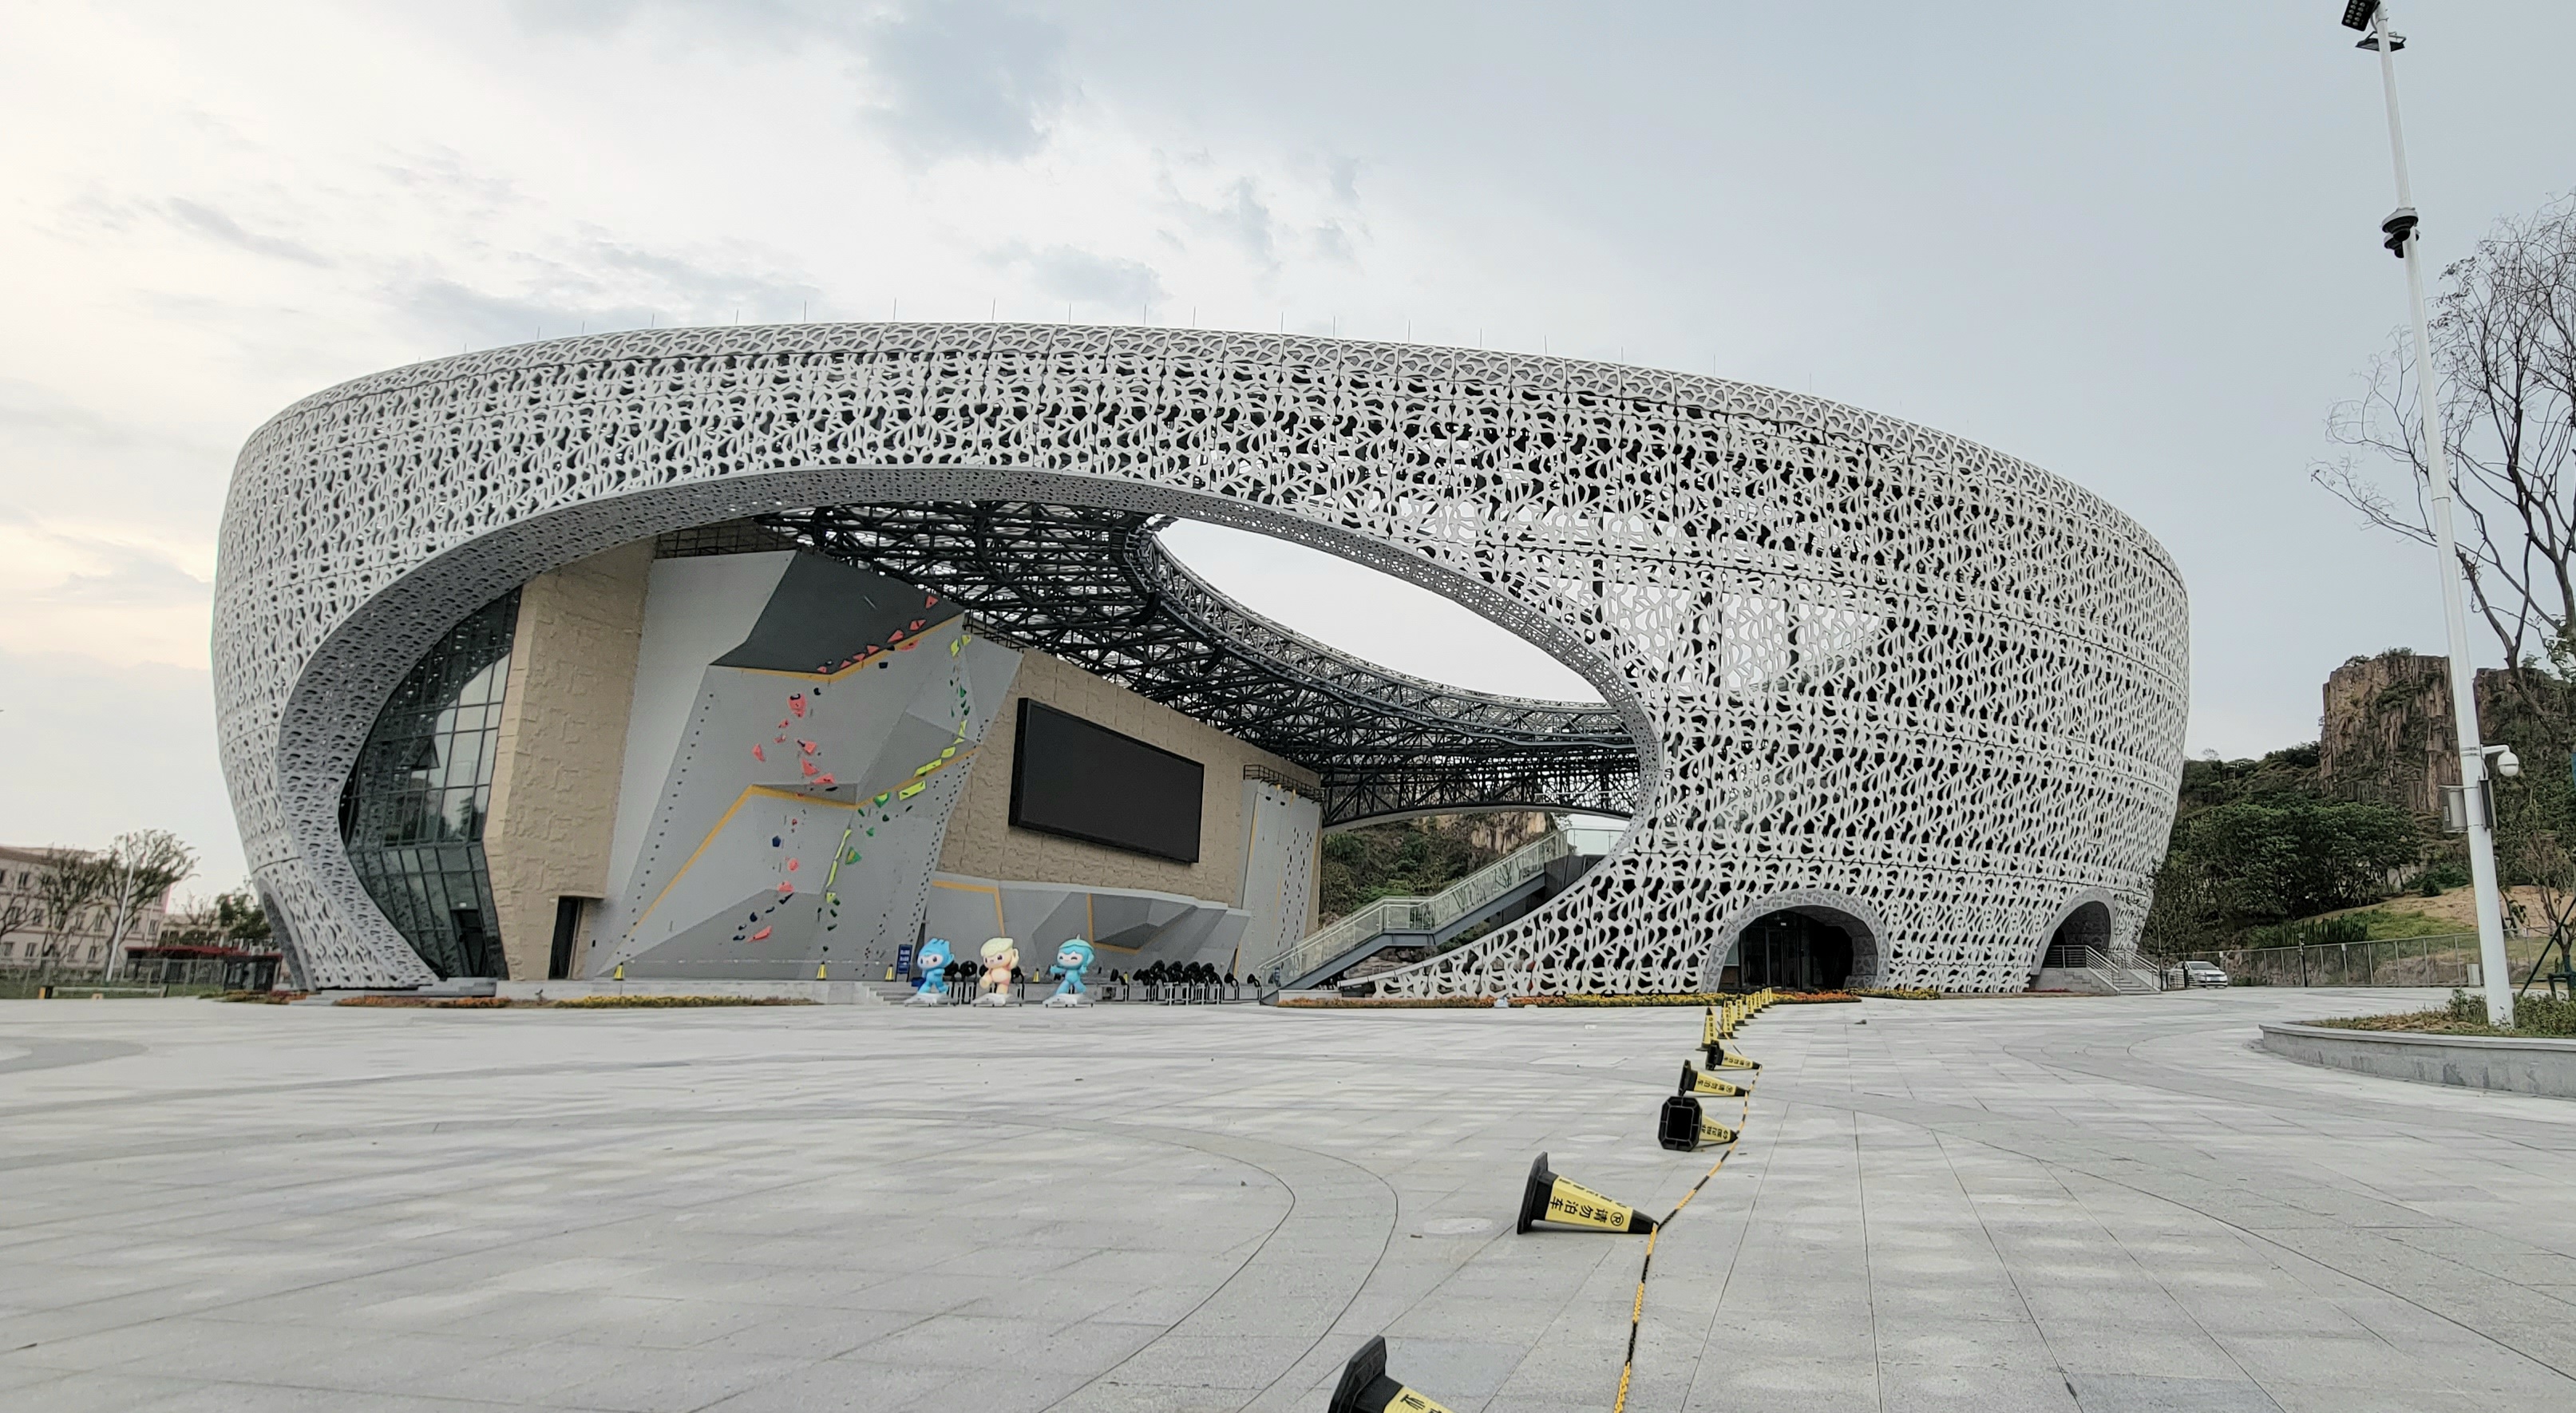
<point x="562" y="745"/>
<point x="982" y="844"/>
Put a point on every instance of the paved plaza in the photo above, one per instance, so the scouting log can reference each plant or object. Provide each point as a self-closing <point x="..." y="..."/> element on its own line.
<point x="2094" y="1204"/>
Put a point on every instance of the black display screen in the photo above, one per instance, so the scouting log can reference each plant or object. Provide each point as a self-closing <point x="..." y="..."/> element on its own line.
<point x="1088" y="782"/>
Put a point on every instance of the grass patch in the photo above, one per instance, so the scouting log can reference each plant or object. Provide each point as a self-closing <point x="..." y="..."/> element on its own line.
<point x="2385" y="925"/>
<point x="2535" y="1017"/>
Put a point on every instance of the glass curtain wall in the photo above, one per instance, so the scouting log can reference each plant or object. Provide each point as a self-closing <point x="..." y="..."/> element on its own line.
<point x="412" y="811"/>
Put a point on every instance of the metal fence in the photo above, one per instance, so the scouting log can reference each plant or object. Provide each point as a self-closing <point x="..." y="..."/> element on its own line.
<point x="2448" y="960"/>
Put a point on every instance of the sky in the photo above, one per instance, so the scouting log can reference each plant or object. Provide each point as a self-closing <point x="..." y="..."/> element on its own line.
<point x="2134" y="245"/>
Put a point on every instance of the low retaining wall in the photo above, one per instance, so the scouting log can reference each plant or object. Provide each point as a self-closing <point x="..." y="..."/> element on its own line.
<point x="2466" y="1061"/>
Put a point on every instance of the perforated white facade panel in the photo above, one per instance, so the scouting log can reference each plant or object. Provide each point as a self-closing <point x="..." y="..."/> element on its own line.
<point x="1869" y="666"/>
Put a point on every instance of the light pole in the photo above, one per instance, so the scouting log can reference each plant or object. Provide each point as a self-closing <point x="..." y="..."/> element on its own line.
<point x="2402" y="240"/>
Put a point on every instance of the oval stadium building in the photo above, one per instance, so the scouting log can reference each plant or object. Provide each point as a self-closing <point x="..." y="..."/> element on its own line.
<point x="743" y="653"/>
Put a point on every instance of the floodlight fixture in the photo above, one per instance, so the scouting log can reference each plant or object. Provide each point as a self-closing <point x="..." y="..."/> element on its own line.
<point x="2357" y="13"/>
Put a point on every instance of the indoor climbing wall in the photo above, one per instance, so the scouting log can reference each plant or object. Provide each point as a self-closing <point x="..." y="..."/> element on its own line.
<point x="787" y="813"/>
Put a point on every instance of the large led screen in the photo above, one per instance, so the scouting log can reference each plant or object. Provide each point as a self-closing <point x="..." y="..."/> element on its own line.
<point x="1088" y="782"/>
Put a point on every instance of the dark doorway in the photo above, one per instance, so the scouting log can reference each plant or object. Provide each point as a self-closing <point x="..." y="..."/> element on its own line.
<point x="2087" y="930"/>
<point x="1794" y="952"/>
<point x="567" y="929"/>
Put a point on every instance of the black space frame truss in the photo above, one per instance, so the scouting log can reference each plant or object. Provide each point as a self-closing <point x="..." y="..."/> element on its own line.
<point x="1096" y="588"/>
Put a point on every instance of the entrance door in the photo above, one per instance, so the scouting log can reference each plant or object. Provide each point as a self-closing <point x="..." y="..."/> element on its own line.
<point x="1794" y="952"/>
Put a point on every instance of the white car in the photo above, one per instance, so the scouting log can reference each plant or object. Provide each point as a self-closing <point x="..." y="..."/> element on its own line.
<point x="2196" y="974"/>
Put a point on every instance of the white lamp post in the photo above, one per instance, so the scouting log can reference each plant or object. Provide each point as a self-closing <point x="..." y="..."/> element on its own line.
<point x="2402" y="239"/>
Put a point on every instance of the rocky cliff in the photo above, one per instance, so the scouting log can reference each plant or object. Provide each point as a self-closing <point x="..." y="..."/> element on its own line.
<point x="2386" y="734"/>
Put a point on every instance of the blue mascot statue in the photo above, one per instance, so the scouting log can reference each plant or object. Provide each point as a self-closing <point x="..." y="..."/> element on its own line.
<point x="933" y="961"/>
<point x="1071" y="960"/>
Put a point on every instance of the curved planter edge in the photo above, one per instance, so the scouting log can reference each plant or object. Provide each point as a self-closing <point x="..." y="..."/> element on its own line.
<point x="2544" y="1067"/>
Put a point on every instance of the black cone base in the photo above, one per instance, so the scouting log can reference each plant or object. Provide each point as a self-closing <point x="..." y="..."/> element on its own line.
<point x="1534" y="1196"/>
<point x="1677" y="1128"/>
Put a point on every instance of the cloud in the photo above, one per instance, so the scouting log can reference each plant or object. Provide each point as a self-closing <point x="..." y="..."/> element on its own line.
<point x="216" y="226"/>
<point x="599" y="284"/>
<point x="941" y="78"/>
<point x="112" y="600"/>
<point x="1068" y="273"/>
<point x="1234" y="213"/>
<point x="970" y="79"/>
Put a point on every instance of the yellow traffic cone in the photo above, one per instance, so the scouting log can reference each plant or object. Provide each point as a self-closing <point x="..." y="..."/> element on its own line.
<point x="1549" y="1198"/>
<point x="1365" y="1388"/>
<point x="1683" y="1126"/>
<point x="1693" y="1082"/>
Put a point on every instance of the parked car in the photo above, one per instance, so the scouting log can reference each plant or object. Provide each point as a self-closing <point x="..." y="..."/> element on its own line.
<point x="2194" y="974"/>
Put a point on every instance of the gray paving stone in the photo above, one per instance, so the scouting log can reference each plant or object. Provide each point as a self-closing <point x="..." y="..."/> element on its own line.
<point x="1978" y="1204"/>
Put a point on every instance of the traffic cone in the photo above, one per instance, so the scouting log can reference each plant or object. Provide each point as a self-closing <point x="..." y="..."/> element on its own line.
<point x="1549" y="1198"/>
<point x="1365" y="1388"/>
<point x="1715" y="1056"/>
<point x="1682" y="1126"/>
<point x="1693" y="1082"/>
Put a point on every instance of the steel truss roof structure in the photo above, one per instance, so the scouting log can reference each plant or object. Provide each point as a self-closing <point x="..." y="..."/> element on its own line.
<point x="1096" y="588"/>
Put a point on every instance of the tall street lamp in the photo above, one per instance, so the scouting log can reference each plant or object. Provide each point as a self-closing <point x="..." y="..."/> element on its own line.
<point x="2477" y="804"/>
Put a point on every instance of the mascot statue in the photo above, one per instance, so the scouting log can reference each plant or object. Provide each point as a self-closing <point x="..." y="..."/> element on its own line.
<point x="1071" y="961"/>
<point x="1001" y="958"/>
<point x="933" y="961"/>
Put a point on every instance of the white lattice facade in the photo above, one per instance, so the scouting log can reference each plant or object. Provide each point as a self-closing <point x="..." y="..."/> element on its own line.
<point x="1869" y="667"/>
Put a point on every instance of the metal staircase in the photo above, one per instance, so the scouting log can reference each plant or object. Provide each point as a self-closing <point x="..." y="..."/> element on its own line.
<point x="1509" y="881"/>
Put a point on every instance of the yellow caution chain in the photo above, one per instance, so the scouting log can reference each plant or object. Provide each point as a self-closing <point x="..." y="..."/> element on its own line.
<point x="1637" y="1308"/>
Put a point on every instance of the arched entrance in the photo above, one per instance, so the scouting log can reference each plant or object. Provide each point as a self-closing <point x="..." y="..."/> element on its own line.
<point x="1794" y="952"/>
<point x="2086" y="928"/>
<point x="1801" y="942"/>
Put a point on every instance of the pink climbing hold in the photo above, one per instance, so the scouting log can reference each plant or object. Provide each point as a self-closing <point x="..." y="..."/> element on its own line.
<point x="785" y="888"/>
<point x="823" y="779"/>
<point x="791" y="865"/>
<point x="807" y="747"/>
<point x="806" y="765"/>
<point x="796" y="703"/>
<point x="757" y="753"/>
<point x="760" y="936"/>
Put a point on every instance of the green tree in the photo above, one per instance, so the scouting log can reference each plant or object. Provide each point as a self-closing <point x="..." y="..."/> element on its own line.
<point x="2266" y="861"/>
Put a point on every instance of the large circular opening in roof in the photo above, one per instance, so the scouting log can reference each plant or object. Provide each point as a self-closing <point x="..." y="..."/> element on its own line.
<point x="1374" y="617"/>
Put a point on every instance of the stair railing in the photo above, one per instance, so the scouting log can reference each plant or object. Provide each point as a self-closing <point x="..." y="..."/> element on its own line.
<point x="1418" y="914"/>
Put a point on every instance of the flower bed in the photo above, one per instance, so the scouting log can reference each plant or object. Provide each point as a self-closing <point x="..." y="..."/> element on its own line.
<point x="1671" y="998"/>
<point x="651" y="1002"/>
<point x="640" y="1001"/>
<point x="2540" y="1016"/>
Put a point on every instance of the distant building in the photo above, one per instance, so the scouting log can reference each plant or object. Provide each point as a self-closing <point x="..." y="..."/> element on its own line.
<point x="30" y="939"/>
